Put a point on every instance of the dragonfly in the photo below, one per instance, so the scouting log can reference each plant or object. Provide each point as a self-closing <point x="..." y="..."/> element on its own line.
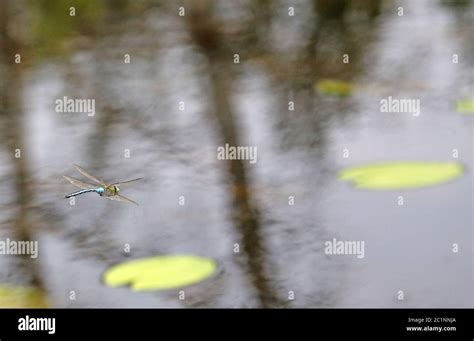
<point x="109" y="191"/>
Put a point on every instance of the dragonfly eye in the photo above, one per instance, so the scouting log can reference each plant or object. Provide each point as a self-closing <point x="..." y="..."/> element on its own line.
<point x="100" y="190"/>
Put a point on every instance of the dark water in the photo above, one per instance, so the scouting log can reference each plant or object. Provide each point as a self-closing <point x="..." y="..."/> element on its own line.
<point x="300" y="152"/>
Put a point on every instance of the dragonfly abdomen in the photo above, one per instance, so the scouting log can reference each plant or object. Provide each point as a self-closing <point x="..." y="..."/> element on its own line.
<point x="96" y="190"/>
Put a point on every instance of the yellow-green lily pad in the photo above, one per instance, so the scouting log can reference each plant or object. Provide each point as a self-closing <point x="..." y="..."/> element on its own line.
<point x="465" y="107"/>
<point x="334" y="87"/>
<point x="21" y="297"/>
<point x="387" y="176"/>
<point x="160" y="272"/>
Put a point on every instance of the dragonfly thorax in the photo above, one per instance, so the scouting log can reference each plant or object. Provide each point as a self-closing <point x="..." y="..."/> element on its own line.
<point x="112" y="190"/>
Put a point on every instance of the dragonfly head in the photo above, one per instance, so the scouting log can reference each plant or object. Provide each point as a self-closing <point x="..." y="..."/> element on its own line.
<point x="100" y="190"/>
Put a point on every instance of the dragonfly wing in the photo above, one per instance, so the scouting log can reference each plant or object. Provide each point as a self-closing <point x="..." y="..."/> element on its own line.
<point x="121" y="198"/>
<point x="88" y="175"/>
<point x="79" y="183"/>
<point x="124" y="182"/>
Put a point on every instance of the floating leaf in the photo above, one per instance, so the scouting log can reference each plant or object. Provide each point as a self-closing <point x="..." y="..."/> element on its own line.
<point x="21" y="297"/>
<point x="401" y="175"/>
<point x="160" y="272"/>
<point x="334" y="87"/>
<point x="465" y="107"/>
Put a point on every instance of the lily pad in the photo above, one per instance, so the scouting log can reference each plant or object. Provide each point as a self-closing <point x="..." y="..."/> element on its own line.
<point x="160" y="272"/>
<point x="387" y="176"/>
<point x="21" y="297"/>
<point x="334" y="87"/>
<point x="465" y="107"/>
